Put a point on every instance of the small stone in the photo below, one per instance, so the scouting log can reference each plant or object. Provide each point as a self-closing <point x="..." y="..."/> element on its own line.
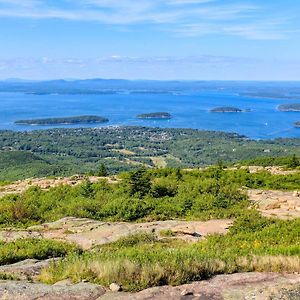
<point x="66" y="282"/>
<point x="114" y="287"/>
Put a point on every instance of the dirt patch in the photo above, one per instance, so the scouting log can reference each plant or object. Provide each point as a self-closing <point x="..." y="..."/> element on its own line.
<point x="88" y="233"/>
<point x="284" y="205"/>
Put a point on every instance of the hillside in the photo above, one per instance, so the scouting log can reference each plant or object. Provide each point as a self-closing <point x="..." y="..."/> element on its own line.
<point x="63" y="152"/>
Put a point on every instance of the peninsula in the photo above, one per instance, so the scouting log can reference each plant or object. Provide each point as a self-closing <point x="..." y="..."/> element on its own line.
<point x="63" y="120"/>
<point x="289" y="107"/>
<point x="226" y="109"/>
<point x="155" y="115"/>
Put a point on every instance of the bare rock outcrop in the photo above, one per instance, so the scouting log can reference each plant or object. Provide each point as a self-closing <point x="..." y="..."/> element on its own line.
<point x="26" y="269"/>
<point x="284" y="205"/>
<point x="244" y="286"/>
<point x="88" y="233"/>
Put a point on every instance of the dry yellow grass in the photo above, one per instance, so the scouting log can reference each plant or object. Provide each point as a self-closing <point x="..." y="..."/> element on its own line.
<point x="124" y="151"/>
<point x="159" y="161"/>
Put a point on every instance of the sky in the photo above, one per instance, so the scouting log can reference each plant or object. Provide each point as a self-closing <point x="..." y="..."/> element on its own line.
<point x="150" y="39"/>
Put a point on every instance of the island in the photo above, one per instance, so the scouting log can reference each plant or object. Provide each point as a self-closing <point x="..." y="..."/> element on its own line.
<point x="155" y="115"/>
<point x="289" y="107"/>
<point x="226" y="109"/>
<point x="297" y="124"/>
<point x="64" y="120"/>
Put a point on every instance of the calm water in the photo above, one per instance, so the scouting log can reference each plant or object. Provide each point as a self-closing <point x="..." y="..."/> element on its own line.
<point x="189" y="111"/>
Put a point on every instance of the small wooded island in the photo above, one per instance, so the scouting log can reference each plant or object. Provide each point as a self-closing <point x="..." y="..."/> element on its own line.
<point x="297" y="124"/>
<point x="156" y="115"/>
<point x="226" y="109"/>
<point x="289" y="107"/>
<point x="63" y="120"/>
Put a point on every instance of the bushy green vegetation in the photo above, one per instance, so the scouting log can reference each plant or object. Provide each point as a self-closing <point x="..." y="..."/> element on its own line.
<point x="254" y="244"/>
<point x="285" y="161"/>
<point x="72" y="151"/>
<point x="21" y="249"/>
<point x="140" y="195"/>
<point x="157" y="194"/>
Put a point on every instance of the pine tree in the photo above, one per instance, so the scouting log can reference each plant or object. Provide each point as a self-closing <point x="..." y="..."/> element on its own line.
<point x="139" y="182"/>
<point x="294" y="162"/>
<point x="102" y="172"/>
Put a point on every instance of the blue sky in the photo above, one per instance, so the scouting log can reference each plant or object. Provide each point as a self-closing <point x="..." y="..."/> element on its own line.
<point x="150" y="39"/>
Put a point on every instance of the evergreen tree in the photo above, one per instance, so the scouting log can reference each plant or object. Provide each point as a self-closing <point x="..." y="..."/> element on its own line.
<point x="87" y="189"/>
<point x="293" y="162"/>
<point x="139" y="182"/>
<point x="178" y="174"/>
<point x="102" y="172"/>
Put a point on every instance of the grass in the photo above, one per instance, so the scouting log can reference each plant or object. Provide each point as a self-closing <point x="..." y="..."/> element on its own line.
<point x="12" y="252"/>
<point x="142" y="261"/>
<point x="167" y="233"/>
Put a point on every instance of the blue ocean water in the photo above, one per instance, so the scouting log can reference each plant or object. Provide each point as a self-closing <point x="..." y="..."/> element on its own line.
<point x="190" y="110"/>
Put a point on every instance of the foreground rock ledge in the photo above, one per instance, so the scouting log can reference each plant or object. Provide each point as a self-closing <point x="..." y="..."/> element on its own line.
<point x="254" y="286"/>
<point x="243" y="286"/>
<point x="18" y="290"/>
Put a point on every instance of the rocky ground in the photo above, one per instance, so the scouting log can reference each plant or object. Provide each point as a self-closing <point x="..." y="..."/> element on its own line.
<point x="274" y="170"/>
<point x="283" y="205"/>
<point x="21" y="186"/>
<point x="243" y="286"/>
<point x="89" y="233"/>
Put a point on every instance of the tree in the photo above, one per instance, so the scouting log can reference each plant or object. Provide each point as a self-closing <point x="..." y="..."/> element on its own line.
<point x="293" y="162"/>
<point x="220" y="164"/>
<point x="139" y="182"/>
<point x="178" y="174"/>
<point x="102" y="172"/>
<point x="87" y="189"/>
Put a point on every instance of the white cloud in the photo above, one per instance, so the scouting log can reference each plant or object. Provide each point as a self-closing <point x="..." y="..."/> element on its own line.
<point x="185" y="17"/>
